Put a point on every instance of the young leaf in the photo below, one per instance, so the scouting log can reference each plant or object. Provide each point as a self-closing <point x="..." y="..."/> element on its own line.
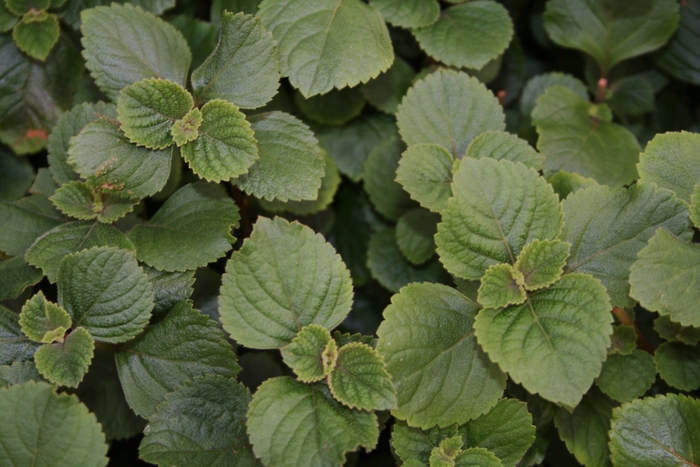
<point x="671" y="331"/>
<point x="467" y="35"/>
<point x="502" y="145"/>
<point x="335" y="107"/>
<point x="60" y="432"/>
<point x="124" y="44"/>
<point x="444" y="455"/>
<point x="36" y="34"/>
<point x="345" y="42"/>
<point x="169" y="288"/>
<point x="304" y="354"/>
<point x="565" y="183"/>
<point x="185" y="344"/>
<point x="24" y="221"/>
<point x="14" y="345"/>
<point x="289" y="277"/>
<point x="17" y="275"/>
<point x="84" y="201"/>
<point x="386" y="90"/>
<point x="537" y="85"/>
<point x="244" y="67"/>
<point x="555" y="343"/>
<point x="665" y="278"/>
<point x="66" y="362"/>
<point x="626" y="377"/>
<point x="501" y="285"/>
<point x="679" y="365"/>
<point x="200" y="424"/>
<point x="542" y="262"/>
<point x="623" y="340"/>
<point x="477" y="457"/>
<point x="43" y="321"/>
<point x="105" y="291"/>
<point x="192" y="228"/>
<point x="425" y="172"/>
<point x="387" y="195"/>
<point x="679" y="58"/>
<point x="408" y="13"/>
<point x="21" y="7"/>
<point x="186" y="129"/>
<point x="450" y="109"/>
<point x="292" y="423"/>
<point x="415" y="232"/>
<point x="414" y="444"/>
<point x="485" y="224"/>
<point x="440" y="373"/>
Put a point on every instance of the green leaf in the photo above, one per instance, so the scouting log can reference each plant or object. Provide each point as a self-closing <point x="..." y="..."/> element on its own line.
<point x="304" y="354"/>
<point x="379" y="174"/>
<point x="185" y="344"/>
<point x="665" y="277"/>
<point x="200" y="424"/>
<point x="627" y="377"/>
<point x="565" y="183"/>
<point x="537" y="85"/>
<point x="477" y="457"/>
<point x="680" y="57"/>
<point x="105" y="291"/>
<point x="633" y="95"/>
<point x="671" y="160"/>
<point x="291" y="162"/>
<point x="502" y="145"/>
<point x="43" y="183"/>
<point x="71" y="14"/>
<point x="289" y="277"/>
<point x="292" y="423"/>
<point x="695" y="206"/>
<point x="225" y="147"/>
<point x="415" y="230"/>
<point x="440" y="373"/>
<point x="415" y="444"/>
<point x="386" y="90"/>
<point x="573" y="140"/>
<point x="18" y="373"/>
<point x="679" y="365"/>
<point x="485" y="224"/>
<point x="345" y="42"/>
<point x="49" y="249"/>
<point x="169" y="288"/>
<point x="148" y="109"/>
<point x="623" y="340"/>
<point x="468" y="35"/>
<point x="102" y="154"/>
<point x="21" y="7"/>
<point x="24" y="221"/>
<point x="84" y="201"/>
<point x="16" y="176"/>
<point x="190" y="230"/>
<point x="555" y="343"/>
<point x="66" y="362"/>
<point x="335" y="107"/>
<point x="542" y="262"/>
<point x="611" y="31"/>
<point x="7" y="18"/>
<point x="671" y="331"/>
<point x="36" y="34"/>
<point x="17" y="275"/>
<point x="425" y="172"/>
<point x="609" y="227"/>
<point x="43" y="321"/>
<point x="408" y="13"/>
<point x="200" y="36"/>
<point x="444" y="455"/>
<point x="14" y="345"/>
<point x="656" y="432"/>
<point x="360" y="380"/>
<point x="186" y="129"/>
<point x="124" y="44"/>
<point x="60" y="432"/>
<point x="244" y="67"/>
<point x="501" y="285"/>
<point x="450" y="109"/>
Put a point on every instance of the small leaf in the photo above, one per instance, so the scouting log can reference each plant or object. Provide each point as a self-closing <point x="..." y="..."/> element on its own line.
<point x="379" y="174"/>
<point x="36" y="34"/>
<point x="502" y="145"/>
<point x="501" y="286"/>
<point x="7" y="18"/>
<point x="21" y="7"/>
<point x="335" y="107"/>
<point x="627" y="377"/>
<point x="415" y="232"/>
<point x="169" y="288"/>
<point x="292" y="424"/>
<point x="61" y="432"/>
<point x="329" y="356"/>
<point x="40" y="319"/>
<point x="290" y="277"/>
<point x="66" y="362"/>
<point x="444" y="455"/>
<point x="679" y="365"/>
<point x="84" y="201"/>
<point x="542" y="262"/>
<point x="304" y="354"/>
<point x="415" y="444"/>
<point x="679" y="58"/>
<point x="186" y="129"/>
<point x="24" y="221"/>
<point x="671" y="331"/>
<point x="623" y="340"/>
<point x="408" y="13"/>
<point x="537" y="85"/>
<point x="14" y="345"/>
<point x="477" y="457"/>
<point x="17" y="275"/>
<point x="386" y="90"/>
<point x="565" y="183"/>
<point x="425" y="172"/>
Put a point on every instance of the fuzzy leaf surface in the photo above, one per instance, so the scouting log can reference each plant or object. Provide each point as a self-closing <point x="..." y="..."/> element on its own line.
<point x="408" y="13"/>
<point x="36" y="34"/>
<point x="304" y="354"/>
<point x="670" y="331"/>
<point x="627" y="377"/>
<point x="502" y="145"/>
<point x="65" y="363"/>
<point x="17" y="275"/>
<point x="501" y="285"/>
<point x="169" y="287"/>
<point x="14" y="345"/>
<point x="537" y="85"/>
<point x="679" y="365"/>
<point x="40" y="319"/>
<point x="425" y="172"/>
<point x="542" y="262"/>
<point x="83" y="201"/>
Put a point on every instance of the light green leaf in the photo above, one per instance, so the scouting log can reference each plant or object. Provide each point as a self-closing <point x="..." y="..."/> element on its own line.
<point x="291" y="162"/>
<point x="225" y="147"/>
<point x="18" y="373"/>
<point x="84" y="201"/>
<point x="555" y="343"/>
<point x="292" y="423"/>
<point x="43" y="321"/>
<point x="386" y="90"/>
<point x="24" y="221"/>
<point x="607" y="253"/>
<point x="186" y="129"/>
<point x="680" y="57"/>
<point x="679" y="365"/>
<point x="14" y="345"/>
<point x="379" y="174"/>
<point x="627" y="377"/>
<point x="360" y="380"/>
<point x="537" y="85"/>
<point x="671" y="331"/>
<point x="501" y="285"/>
<point x="148" y="109"/>
<point x="573" y="140"/>
<point x="105" y="291"/>
<point x="477" y="457"/>
<point x="36" y="34"/>
<point x="450" y="109"/>
<point x="656" y="432"/>
<point x="283" y="278"/>
<point x="695" y="206"/>
<point x="502" y="145"/>
<point x="467" y="35"/>
<point x="623" y="340"/>
<point x="444" y="455"/>
<point x="17" y="275"/>
<point x="565" y="183"/>
<point x="61" y="432"/>
<point x="16" y="175"/>
<point x="304" y="354"/>
<point x="440" y="373"/>
<point x="425" y="172"/>
<point x="486" y="224"/>
<point x="66" y="362"/>
<point x="672" y="160"/>
<point x="200" y="424"/>
<point x="408" y="13"/>
<point x="414" y="235"/>
<point x="244" y="67"/>
<point x="124" y="44"/>
<point x="185" y="344"/>
<point x="345" y="42"/>
<point x="335" y="107"/>
<point x="102" y="154"/>
<point x="542" y="262"/>
<point x="611" y="31"/>
<point x="169" y="288"/>
<point x="21" y="7"/>
<point x="632" y="95"/>
<point x="414" y="444"/>
<point x="190" y="230"/>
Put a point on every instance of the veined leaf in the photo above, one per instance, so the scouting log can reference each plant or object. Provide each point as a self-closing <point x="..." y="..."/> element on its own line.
<point x="537" y="85"/>
<point x="542" y="262"/>
<point x="408" y="13"/>
<point x="632" y="95"/>
<point x="502" y="145"/>
<point x="36" y="34"/>
<point x="84" y="201"/>
<point x="671" y="331"/>
<point x="415" y="232"/>
<point x="304" y="355"/>
<point x="425" y="172"/>
<point x="18" y="373"/>
<point x="501" y="285"/>
<point x="444" y="454"/>
<point x="17" y="275"/>
<point x="71" y="13"/>
<point x="24" y="221"/>
<point x="679" y="365"/>
<point x="43" y="321"/>
<point x="66" y="362"/>
<point x="626" y="377"/>
<point x="379" y="174"/>
<point x="169" y="288"/>
<point x="14" y="345"/>
<point x="415" y="444"/>
<point x="680" y="57"/>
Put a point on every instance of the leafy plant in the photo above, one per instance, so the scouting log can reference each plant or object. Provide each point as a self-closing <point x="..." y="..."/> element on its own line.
<point x="345" y="232"/>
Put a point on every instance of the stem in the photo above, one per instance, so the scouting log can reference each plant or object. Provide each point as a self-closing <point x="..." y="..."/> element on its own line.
<point x="625" y="319"/>
<point x="600" y="92"/>
<point x="501" y="97"/>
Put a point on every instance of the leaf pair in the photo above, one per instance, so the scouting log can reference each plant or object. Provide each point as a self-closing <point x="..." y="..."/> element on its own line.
<point x="37" y="30"/>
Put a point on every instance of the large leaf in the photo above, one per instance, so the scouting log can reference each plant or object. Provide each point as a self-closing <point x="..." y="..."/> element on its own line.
<point x="292" y="424"/>
<point x="554" y="344"/>
<point x="185" y="344"/>
<point x="192" y="228"/>
<point x="328" y="44"/>
<point x="408" y="13"/>
<point x="283" y="278"/>
<point x="124" y="44"/>
<point x="17" y="275"/>
<point x="425" y="172"/>
<point x="681" y="58"/>
<point x="65" y="363"/>
<point x="60" y="430"/>
<point x="679" y="365"/>
<point x="14" y="345"/>
<point x="24" y="221"/>
<point x="440" y="373"/>
<point x="627" y="377"/>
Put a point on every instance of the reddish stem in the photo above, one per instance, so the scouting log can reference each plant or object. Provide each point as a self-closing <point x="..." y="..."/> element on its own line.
<point x="601" y="91"/>
<point x="501" y="97"/>
<point x="627" y="320"/>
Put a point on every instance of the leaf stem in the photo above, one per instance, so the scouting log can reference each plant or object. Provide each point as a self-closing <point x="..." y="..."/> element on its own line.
<point x="624" y="318"/>
<point x="601" y="91"/>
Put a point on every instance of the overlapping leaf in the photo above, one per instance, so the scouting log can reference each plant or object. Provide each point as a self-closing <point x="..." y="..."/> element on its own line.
<point x="43" y="321"/>
<point x="387" y="195"/>
<point x="66" y="362"/>
<point x="502" y="145"/>
<point x="17" y="275"/>
<point x="542" y="263"/>
<point x="501" y="285"/>
<point x="415" y="232"/>
<point x="626" y="377"/>
<point x="679" y="365"/>
<point x="680" y="57"/>
<point x="83" y="201"/>
<point x="408" y="13"/>
<point x="14" y="345"/>
<point x="36" y="34"/>
<point x="24" y="221"/>
<point x="425" y="172"/>
<point x="304" y="355"/>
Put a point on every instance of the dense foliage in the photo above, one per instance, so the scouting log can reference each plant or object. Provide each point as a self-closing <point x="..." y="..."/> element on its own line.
<point x="344" y="232"/>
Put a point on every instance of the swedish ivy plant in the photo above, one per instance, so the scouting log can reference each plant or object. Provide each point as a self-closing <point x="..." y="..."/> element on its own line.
<point x="344" y="232"/>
